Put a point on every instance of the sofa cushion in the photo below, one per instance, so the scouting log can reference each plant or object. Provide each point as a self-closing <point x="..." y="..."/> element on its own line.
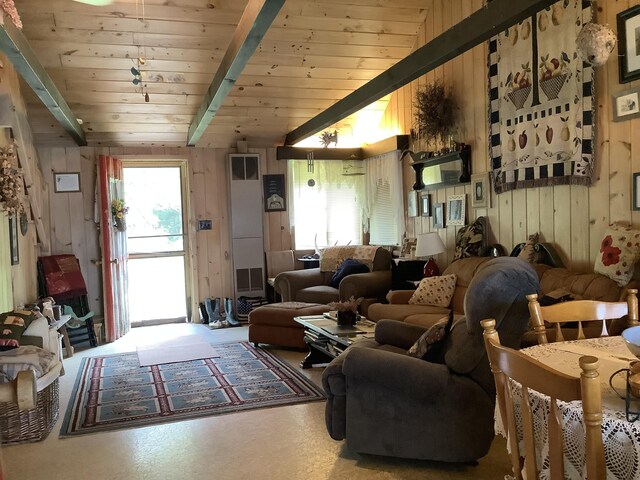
<point x="464" y="269"/>
<point x="619" y="251"/>
<point x="318" y="294"/>
<point x="348" y="267"/>
<point x="396" y="311"/>
<point x="469" y="240"/>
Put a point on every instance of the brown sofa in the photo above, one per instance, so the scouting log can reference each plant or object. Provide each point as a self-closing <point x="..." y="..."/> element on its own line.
<point x="399" y="308"/>
<point x="312" y="285"/>
<point x="587" y="286"/>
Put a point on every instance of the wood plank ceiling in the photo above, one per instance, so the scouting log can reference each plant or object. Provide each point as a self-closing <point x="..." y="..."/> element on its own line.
<point x="315" y="53"/>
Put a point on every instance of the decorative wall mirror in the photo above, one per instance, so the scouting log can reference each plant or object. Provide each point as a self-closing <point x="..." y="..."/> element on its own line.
<point x="433" y="172"/>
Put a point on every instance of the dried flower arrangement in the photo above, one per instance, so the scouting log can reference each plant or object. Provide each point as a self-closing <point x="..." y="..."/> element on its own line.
<point x="435" y="112"/>
<point x="10" y="181"/>
<point x="10" y="9"/>
<point x="350" y="305"/>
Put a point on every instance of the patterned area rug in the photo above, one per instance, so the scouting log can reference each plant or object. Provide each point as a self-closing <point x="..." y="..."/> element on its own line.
<point x="114" y="392"/>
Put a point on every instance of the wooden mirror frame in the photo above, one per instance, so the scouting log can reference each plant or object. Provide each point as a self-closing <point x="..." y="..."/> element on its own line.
<point x="422" y="160"/>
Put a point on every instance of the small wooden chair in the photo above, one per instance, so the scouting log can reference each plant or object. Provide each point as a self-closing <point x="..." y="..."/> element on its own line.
<point x="580" y="311"/>
<point x="531" y="374"/>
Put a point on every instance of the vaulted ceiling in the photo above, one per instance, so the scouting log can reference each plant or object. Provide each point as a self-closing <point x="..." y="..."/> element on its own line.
<point x="314" y="54"/>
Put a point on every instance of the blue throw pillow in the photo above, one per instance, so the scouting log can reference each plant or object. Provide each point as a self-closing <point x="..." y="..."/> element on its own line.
<point x="348" y="267"/>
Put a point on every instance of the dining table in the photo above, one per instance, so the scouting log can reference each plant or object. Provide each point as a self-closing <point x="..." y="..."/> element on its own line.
<point x="621" y="437"/>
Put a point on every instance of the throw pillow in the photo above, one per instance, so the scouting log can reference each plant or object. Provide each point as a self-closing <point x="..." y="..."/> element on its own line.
<point x="469" y="240"/>
<point x="348" y="267"/>
<point x="619" y="251"/>
<point x="437" y="291"/>
<point x="431" y="340"/>
<point x="12" y="326"/>
<point x="528" y="252"/>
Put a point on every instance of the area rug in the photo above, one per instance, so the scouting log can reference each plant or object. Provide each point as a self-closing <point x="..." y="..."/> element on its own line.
<point x="114" y="392"/>
<point x="176" y="349"/>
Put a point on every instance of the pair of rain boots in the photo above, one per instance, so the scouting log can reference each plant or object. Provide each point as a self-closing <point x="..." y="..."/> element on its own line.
<point x="215" y="318"/>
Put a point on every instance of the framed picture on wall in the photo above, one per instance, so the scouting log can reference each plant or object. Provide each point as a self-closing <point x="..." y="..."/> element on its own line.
<point x="456" y="210"/>
<point x="412" y="203"/>
<point x="66" y="182"/>
<point x="629" y="44"/>
<point x="626" y="105"/>
<point x="425" y="204"/>
<point x="480" y="192"/>
<point x="13" y="240"/>
<point x="636" y="191"/>
<point x="274" y="194"/>
<point x="438" y="215"/>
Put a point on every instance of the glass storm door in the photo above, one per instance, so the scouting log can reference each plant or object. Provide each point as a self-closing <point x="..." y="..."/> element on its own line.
<point x="157" y="242"/>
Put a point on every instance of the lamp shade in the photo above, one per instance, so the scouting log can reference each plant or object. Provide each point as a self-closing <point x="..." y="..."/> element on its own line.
<point x="429" y="244"/>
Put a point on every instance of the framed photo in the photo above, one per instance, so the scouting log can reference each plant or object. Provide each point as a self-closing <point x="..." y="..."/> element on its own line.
<point x="438" y="215"/>
<point x="626" y="105"/>
<point x="636" y="192"/>
<point x="425" y="204"/>
<point x="629" y="44"/>
<point x="412" y="203"/>
<point x="480" y="191"/>
<point x="456" y="210"/>
<point x="66" y="182"/>
<point x="274" y="193"/>
<point x="13" y="240"/>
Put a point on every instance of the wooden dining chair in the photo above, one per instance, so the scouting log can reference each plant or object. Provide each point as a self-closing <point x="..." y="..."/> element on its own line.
<point x="580" y="311"/>
<point x="506" y="364"/>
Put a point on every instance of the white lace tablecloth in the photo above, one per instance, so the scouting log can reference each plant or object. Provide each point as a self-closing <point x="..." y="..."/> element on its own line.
<point x="621" y="438"/>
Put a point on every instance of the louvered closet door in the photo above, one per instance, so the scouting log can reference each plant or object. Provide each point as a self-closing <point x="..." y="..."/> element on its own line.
<point x="246" y="225"/>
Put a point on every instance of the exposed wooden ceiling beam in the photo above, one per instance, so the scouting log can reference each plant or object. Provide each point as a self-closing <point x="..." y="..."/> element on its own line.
<point x="255" y="22"/>
<point x="493" y="18"/>
<point x="17" y="49"/>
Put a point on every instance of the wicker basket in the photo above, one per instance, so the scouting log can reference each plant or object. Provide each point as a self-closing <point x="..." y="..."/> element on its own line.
<point x="32" y="425"/>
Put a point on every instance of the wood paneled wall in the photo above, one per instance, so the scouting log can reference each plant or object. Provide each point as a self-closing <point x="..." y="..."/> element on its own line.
<point x="573" y="218"/>
<point x="71" y="218"/>
<point x="18" y="283"/>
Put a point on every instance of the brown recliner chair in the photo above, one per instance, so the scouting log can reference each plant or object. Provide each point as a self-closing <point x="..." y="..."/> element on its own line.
<point x="384" y="402"/>
<point x="312" y="285"/>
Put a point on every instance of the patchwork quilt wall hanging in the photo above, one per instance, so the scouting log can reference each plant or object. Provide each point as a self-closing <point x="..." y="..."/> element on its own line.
<point x="540" y="94"/>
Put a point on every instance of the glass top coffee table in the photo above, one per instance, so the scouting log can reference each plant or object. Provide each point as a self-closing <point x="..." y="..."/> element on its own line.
<point x="327" y="340"/>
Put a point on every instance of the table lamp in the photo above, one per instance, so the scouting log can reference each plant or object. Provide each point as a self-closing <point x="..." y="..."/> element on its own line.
<point x="428" y="245"/>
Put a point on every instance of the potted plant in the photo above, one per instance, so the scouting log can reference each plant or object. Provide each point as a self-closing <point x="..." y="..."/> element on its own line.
<point x="347" y="311"/>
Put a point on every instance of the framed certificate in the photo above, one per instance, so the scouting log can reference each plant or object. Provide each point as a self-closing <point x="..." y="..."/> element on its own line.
<point x="67" y="182"/>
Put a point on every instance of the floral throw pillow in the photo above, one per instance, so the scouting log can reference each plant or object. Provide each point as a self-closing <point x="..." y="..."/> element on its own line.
<point x="436" y="291"/>
<point x="619" y="251"/>
<point x="469" y="241"/>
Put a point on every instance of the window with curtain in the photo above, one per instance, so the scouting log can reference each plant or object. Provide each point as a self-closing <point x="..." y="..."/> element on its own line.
<point x="326" y="206"/>
<point x="384" y="199"/>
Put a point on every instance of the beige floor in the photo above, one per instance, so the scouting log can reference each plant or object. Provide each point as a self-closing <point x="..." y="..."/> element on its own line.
<point x="281" y="443"/>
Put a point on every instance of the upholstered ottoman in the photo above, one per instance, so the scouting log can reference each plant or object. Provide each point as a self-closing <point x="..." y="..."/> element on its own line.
<point x="274" y="324"/>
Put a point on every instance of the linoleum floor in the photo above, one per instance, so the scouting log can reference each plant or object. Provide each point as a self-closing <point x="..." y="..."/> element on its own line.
<point x="283" y="443"/>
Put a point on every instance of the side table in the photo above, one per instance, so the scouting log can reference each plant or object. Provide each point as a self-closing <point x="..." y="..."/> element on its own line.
<point x="404" y="271"/>
<point x="310" y="262"/>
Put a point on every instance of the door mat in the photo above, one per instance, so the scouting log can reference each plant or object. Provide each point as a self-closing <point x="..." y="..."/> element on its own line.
<point x="177" y="349"/>
<point x="114" y="392"/>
